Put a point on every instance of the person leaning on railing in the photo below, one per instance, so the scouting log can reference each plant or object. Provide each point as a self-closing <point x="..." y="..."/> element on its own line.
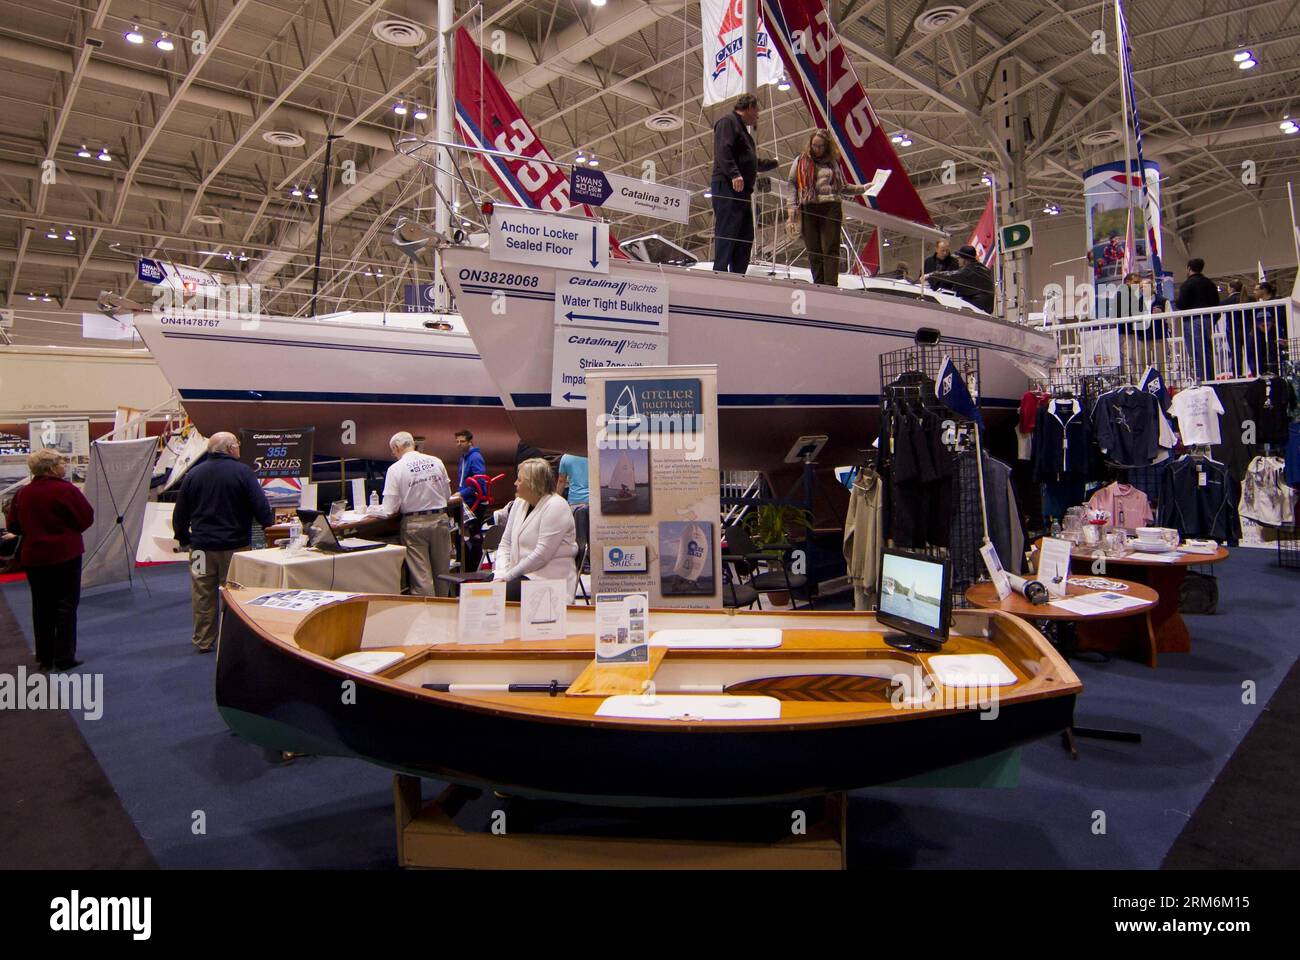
<point x="819" y="186"/>
<point x="1265" y="328"/>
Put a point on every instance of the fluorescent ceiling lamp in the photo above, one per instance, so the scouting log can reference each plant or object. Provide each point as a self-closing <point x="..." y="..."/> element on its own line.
<point x="84" y="152"/>
<point x="421" y="113"/>
<point x="399" y="108"/>
<point x="134" y="35"/>
<point x="104" y="154"/>
<point x="164" y="43"/>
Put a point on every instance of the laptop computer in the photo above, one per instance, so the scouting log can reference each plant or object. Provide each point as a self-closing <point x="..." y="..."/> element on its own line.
<point x="321" y="536"/>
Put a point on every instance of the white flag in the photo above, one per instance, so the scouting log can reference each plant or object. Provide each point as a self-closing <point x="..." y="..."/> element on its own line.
<point x="723" y="27"/>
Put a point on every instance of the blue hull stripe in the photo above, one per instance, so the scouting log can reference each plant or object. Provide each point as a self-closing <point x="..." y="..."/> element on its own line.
<point x="514" y="294"/>
<point x="313" y="396"/>
<point x="308" y="344"/>
<point x="535" y="401"/>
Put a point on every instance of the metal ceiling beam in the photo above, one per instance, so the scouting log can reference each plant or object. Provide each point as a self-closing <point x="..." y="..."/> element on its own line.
<point x="230" y="151"/>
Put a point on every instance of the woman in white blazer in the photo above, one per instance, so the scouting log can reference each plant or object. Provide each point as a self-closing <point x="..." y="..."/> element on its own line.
<point x="540" y="542"/>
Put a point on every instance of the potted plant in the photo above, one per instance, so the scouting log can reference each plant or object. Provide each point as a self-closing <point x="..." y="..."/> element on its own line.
<point x="773" y="526"/>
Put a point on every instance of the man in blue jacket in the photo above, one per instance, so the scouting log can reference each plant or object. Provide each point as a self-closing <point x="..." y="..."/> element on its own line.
<point x="469" y="494"/>
<point x="218" y="501"/>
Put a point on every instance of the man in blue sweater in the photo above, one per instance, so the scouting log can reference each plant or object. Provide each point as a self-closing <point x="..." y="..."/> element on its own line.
<point x="218" y="501"/>
<point x="470" y="494"/>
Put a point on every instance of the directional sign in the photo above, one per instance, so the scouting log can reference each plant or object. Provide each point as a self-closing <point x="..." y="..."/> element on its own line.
<point x="546" y="240"/>
<point x="626" y="193"/>
<point x="604" y="322"/>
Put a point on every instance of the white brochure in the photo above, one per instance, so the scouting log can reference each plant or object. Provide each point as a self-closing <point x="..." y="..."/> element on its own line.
<point x="621" y="628"/>
<point x="542" y="610"/>
<point x="994" y="566"/>
<point x="481" y="614"/>
<point x="1054" y="565"/>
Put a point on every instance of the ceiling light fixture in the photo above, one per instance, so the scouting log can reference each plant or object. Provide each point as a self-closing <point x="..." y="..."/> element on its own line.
<point x="597" y="3"/>
<point x="134" y="35"/>
<point x="1241" y="56"/>
<point x="165" y="44"/>
<point x="783" y="84"/>
<point x="46" y="298"/>
<point x="593" y="162"/>
<point x="104" y="155"/>
<point x="84" y="153"/>
<point x="581" y="158"/>
<point x="1289" y="126"/>
<point x="421" y="113"/>
<point x="399" y="108"/>
<point x="986" y="180"/>
<point x="1247" y="64"/>
<point x="31" y="296"/>
<point x="296" y="191"/>
<point x="708" y="194"/>
<point x="312" y="194"/>
<point x="70" y="236"/>
<point x="51" y="234"/>
<point x="243" y="257"/>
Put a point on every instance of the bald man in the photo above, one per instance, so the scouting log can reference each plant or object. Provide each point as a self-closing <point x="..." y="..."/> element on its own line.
<point x="218" y="501"/>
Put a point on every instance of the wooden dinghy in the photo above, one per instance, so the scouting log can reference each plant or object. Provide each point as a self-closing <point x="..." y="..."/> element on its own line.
<point x="850" y="711"/>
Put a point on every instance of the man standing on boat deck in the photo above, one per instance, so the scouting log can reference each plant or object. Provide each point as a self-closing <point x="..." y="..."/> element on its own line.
<point x="416" y="486"/>
<point x="736" y="166"/>
<point x="213" y="519"/>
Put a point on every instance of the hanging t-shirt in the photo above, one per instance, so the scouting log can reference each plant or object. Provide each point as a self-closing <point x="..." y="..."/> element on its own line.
<point x="1198" y="413"/>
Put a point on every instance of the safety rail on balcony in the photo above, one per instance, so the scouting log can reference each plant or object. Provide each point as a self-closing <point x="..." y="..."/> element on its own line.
<point x="1235" y="342"/>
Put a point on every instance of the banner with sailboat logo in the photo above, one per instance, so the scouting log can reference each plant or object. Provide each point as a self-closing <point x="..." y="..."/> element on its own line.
<point x="824" y="76"/>
<point x="652" y="441"/>
<point x="488" y="117"/>
<point x="722" y="26"/>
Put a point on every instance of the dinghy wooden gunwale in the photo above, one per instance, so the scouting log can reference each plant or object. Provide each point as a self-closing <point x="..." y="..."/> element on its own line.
<point x="280" y="668"/>
<point x="323" y="635"/>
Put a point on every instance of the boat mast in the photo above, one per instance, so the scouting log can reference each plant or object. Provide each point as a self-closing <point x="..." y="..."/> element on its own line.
<point x="442" y="179"/>
<point x="1130" y="234"/>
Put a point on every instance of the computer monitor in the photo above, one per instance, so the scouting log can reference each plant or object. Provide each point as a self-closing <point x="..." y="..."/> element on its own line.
<point x="915" y="592"/>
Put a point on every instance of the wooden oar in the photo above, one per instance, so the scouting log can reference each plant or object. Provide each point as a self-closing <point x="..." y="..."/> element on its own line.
<point x="826" y="688"/>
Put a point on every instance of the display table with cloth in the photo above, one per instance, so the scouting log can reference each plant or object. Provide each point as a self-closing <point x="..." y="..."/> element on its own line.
<point x="1166" y="578"/>
<point x="362" y="571"/>
<point x="1136" y="620"/>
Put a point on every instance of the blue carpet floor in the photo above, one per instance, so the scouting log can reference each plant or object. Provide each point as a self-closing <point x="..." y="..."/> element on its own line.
<point x="170" y="757"/>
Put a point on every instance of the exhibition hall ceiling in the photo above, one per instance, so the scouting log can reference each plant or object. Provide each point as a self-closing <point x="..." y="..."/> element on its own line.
<point x="210" y="153"/>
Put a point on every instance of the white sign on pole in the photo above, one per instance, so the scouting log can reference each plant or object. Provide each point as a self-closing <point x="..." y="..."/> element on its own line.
<point x="604" y="322"/>
<point x="545" y="240"/>
<point x="629" y="194"/>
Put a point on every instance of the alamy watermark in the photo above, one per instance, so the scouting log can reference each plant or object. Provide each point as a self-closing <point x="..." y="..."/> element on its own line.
<point x="53" y="691"/>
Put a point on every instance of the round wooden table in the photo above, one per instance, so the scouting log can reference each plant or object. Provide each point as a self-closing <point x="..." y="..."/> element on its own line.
<point x="1166" y="579"/>
<point x="1139" y="626"/>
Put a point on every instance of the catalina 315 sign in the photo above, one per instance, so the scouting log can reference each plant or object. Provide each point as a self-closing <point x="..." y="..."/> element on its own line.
<point x="626" y="193"/>
<point x="723" y="25"/>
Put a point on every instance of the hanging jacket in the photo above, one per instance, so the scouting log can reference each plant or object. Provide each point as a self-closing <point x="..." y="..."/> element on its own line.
<point x="1203" y="509"/>
<point x="862" y="535"/>
<point x="1062" y="437"/>
<point x="1265" y="496"/>
<point x="1127" y="425"/>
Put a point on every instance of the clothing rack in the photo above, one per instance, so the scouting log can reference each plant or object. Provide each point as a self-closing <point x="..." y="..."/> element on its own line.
<point x="907" y="377"/>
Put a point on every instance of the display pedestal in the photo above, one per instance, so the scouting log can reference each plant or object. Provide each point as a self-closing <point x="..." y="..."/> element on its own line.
<point x="427" y="836"/>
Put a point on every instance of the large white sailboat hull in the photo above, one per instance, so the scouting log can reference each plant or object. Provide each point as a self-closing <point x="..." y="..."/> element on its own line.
<point x="792" y="358"/>
<point x="356" y="383"/>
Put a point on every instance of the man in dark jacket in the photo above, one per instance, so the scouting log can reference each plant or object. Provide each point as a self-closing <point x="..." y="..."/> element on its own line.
<point x="213" y="519"/>
<point x="1198" y="292"/>
<point x="941" y="259"/>
<point x="973" y="281"/>
<point x="736" y="166"/>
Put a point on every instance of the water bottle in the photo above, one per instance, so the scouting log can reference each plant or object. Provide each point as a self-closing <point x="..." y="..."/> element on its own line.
<point x="374" y="501"/>
<point x="295" y="531"/>
<point x="1056" y="528"/>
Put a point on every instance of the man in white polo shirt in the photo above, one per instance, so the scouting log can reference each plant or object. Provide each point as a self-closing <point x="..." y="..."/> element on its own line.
<point x="416" y="486"/>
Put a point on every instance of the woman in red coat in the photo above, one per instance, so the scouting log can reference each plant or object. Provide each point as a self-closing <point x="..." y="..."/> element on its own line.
<point x="50" y="515"/>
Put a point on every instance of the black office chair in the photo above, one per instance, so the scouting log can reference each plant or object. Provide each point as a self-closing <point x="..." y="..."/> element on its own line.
<point x="491" y="543"/>
<point x="766" y="569"/>
<point x="582" y="528"/>
<point x="736" y="595"/>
